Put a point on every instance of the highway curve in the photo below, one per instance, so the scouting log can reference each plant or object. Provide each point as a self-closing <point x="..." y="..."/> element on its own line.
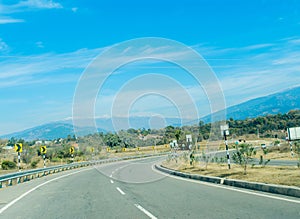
<point x="133" y="189"/>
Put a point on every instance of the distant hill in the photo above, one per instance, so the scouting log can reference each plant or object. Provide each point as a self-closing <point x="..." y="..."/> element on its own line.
<point x="62" y="129"/>
<point x="47" y="132"/>
<point x="281" y="102"/>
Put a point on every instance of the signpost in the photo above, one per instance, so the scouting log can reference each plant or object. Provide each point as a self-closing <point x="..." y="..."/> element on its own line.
<point x="189" y="141"/>
<point x="72" y="149"/>
<point x="43" y="150"/>
<point x="19" y="149"/>
<point x="225" y="133"/>
<point x="174" y="144"/>
<point x="293" y="135"/>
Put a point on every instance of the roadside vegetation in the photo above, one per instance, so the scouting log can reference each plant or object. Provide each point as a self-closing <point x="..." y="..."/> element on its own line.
<point x="247" y="133"/>
<point x="248" y="163"/>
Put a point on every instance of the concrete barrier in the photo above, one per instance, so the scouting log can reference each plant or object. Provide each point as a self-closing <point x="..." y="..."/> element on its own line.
<point x="271" y="188"/>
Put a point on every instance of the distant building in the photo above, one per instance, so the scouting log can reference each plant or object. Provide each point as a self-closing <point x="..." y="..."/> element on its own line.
<point x="8" y="147"/>
<point x="40" y="142"/>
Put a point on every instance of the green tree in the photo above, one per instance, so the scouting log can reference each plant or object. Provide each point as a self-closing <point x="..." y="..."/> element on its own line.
<point x="177" y="134"/>
<point x="112" y="140"/>
<point x="244" y="155"/>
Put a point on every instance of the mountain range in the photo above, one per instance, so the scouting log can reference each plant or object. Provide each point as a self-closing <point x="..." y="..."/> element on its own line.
<point x="280" y="102"/>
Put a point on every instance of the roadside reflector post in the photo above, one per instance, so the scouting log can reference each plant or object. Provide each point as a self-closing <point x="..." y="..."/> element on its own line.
<point x="43" y="150"/>
<point x="72" y="149"/>
<point x="19" y="161"/>
<point x="44" y="157"/>
<point x="291" y="147"/>
<point x="19" y="149"/>
<point x="225" y="133"/>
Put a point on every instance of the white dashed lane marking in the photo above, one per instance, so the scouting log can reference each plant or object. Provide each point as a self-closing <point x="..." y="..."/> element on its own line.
<point x="123" y="193"/>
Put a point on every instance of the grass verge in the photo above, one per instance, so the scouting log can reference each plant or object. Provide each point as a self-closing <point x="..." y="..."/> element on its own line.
<point x="280" y="175"/>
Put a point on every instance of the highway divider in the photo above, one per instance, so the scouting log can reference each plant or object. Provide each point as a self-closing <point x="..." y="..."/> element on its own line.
<point x="271" y="188"/>
<point x="24" y="176"/>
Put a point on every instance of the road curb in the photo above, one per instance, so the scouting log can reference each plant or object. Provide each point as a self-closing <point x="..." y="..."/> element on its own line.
<point x="271" y="188"/>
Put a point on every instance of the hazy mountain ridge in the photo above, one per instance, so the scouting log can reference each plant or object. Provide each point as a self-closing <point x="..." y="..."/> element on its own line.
<point x="281" y="102"/>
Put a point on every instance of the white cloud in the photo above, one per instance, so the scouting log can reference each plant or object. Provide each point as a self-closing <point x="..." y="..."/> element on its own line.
<point x="23" y="6"/>
<point x="29" y="5"/>
<point x="255" y="74"/>
<point x="8" y="20"/>
<point x="273" y="69"/>
<point x="17" y="70"/>
<point x="47" y="4"/>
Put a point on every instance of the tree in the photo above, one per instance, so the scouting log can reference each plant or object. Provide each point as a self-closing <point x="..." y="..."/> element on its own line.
<point x="112" y="140"/>
<point x="261" y="160"/>
<point x="177" y="134"/>
<point x="244" y="155"/>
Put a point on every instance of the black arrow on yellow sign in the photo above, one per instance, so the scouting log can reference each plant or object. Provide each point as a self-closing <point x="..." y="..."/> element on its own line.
<point x="18" y="147"/>
<point x="72" y="150"/>
<point x="43" y="149"/>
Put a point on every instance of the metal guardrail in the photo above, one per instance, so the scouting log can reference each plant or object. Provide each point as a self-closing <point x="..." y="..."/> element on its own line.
<point x="20" y="177"/>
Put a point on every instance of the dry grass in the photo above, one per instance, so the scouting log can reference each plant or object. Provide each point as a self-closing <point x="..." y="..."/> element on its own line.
<point x="269" y="174"/>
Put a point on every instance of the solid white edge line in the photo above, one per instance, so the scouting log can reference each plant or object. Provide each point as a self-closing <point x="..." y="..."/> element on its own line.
<point x="123" y="193"/>
<point x="226" y="187"/>
<point x="33" y="189"/>
<point x="145" y="211"/>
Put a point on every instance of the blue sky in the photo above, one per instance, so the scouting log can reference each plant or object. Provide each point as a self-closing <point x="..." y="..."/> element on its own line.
<point x="252" y="46"/>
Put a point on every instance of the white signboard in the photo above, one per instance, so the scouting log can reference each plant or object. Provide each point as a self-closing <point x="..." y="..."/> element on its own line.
<point x="293" y="133"/>
<point x="188" y="138"/>
<point x="173" y="144"/>
<point x="224" y="128"/>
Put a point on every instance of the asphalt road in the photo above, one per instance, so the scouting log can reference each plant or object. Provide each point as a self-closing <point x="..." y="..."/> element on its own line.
<point x="133" y="189"/>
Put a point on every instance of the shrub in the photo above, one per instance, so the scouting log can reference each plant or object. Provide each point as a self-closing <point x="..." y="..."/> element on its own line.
<point x="7" y="165"/>
<point x="56" y="159"/>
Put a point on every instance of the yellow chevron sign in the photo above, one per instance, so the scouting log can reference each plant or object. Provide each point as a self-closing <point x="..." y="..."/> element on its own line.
<point x="43" y="149"/>
<point x="19" y="147"/>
